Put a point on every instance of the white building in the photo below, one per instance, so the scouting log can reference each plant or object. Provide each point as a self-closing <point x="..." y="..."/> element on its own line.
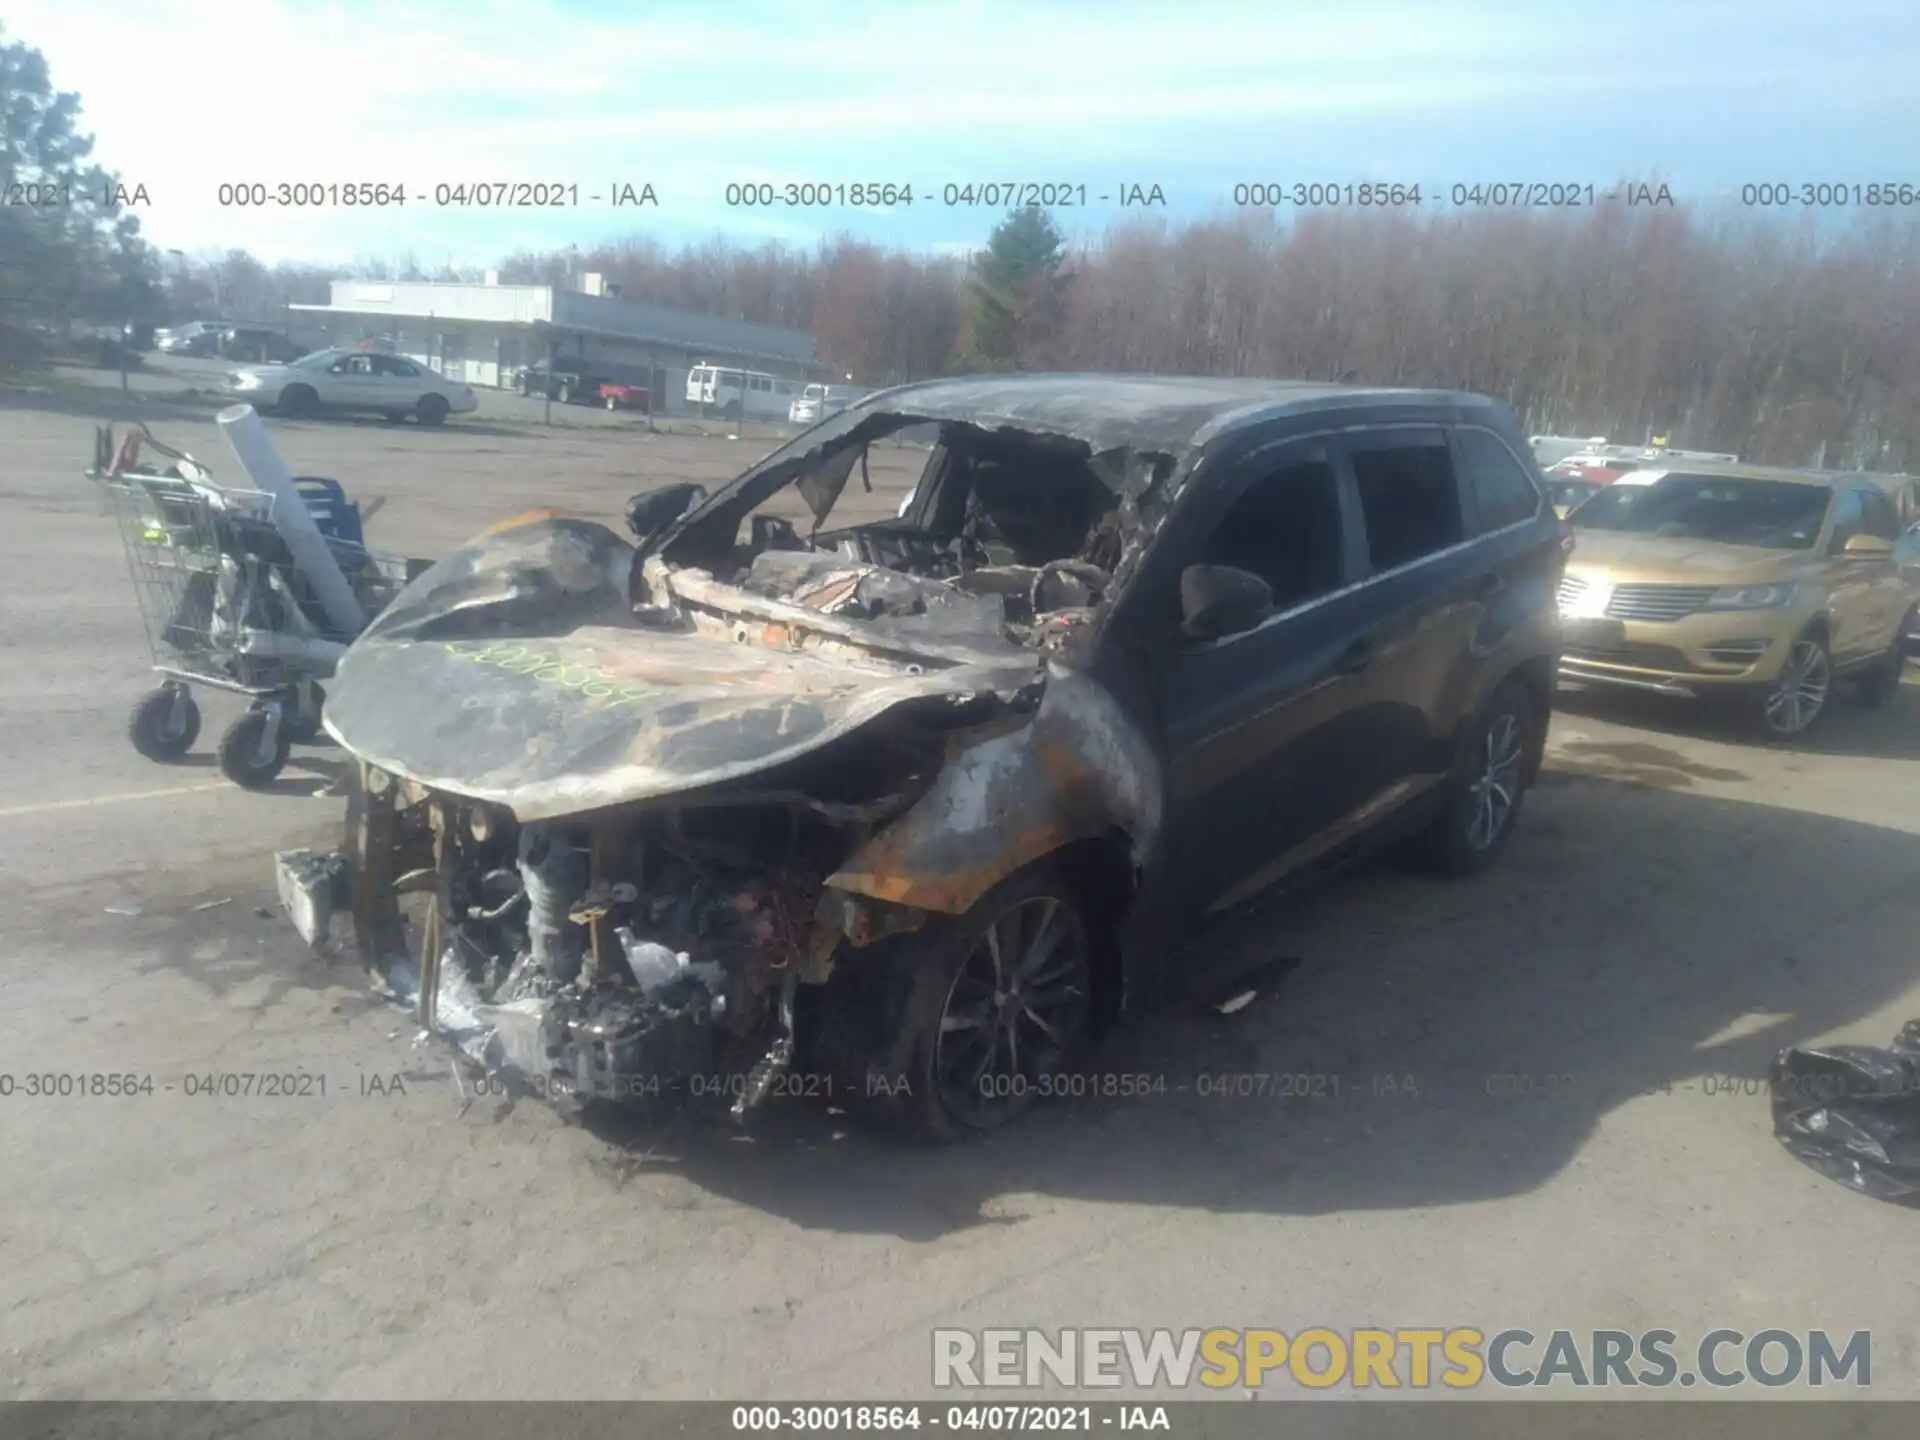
<point x="487" y="334"/>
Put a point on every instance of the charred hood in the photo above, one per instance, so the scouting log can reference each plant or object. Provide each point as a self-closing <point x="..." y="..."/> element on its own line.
<point x="515" y="672"/>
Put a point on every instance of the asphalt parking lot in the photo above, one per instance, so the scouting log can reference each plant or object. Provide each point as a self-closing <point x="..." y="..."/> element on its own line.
<point x="1546" y="1107"/>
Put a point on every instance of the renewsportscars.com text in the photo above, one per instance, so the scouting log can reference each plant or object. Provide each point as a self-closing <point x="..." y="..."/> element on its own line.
<point x="1458" y="1358"/>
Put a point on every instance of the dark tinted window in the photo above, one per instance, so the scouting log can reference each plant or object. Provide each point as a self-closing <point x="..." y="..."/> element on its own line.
<point x="1286" y="529"/>
<point x="1502" y="490"/>
<point x="1408" y="498"/>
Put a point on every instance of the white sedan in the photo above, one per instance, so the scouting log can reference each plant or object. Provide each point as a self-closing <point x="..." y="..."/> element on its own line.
<point x="352" y="380"/>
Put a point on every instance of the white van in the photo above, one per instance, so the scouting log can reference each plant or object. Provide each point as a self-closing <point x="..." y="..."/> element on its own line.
<point x="817" y="402"/>
<point x="735" y="393"/>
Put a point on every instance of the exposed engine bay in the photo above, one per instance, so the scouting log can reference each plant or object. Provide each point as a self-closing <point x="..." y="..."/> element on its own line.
<point x="623" y="816"/>
<point x="627" y="957"/>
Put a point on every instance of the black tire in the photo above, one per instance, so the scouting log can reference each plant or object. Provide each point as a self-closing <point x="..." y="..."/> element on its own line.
<point x="241" y="759"/>
<point x="613" y="402"/>
<point x="1795" y="704"/>
<point x="732" y="411"/>
<point x="432" y="409"/>
<point x="297" y="400"/>
<point x="920" y="982"/>
<point x="159" y="731"/>
<point x="564" y="394"/>
<point x="1879" y="687"/>
<point x="1492" y="767"/>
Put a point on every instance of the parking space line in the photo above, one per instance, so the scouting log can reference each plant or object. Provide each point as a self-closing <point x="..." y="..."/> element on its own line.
<point x="14" y="811"/>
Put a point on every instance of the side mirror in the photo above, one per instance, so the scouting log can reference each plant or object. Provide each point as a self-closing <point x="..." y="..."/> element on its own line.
<point x="1219" y="600"/>
<point x="651" y="511"/>
<point x="1867" y="547"/>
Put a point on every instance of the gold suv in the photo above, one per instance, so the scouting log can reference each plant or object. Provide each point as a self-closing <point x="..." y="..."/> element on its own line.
<point x="1738" y="580"/>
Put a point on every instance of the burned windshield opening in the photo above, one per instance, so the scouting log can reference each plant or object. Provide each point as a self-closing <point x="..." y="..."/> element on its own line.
<point x="1011" y="532"/>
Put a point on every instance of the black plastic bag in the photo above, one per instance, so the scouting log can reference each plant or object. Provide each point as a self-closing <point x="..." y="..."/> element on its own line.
<point x="1852" y="1112"/>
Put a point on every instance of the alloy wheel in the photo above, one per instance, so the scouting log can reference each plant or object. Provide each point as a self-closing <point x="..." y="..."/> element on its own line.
<point x="1496" y="785"/>
<point x="1800" y="694"/>
<point x="1016" y="1010"/>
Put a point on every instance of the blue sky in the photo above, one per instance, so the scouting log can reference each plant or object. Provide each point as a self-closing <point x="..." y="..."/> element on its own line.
<point x="183" y="95"/>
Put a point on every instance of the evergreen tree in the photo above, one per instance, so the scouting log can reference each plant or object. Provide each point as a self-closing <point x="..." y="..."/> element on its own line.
<point x="72" y="252"/>
<point x="1014" y="291"/>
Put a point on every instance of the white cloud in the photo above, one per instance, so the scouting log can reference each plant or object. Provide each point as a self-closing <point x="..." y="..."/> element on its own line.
<point x="184" y="95"/>
<point x="197" y="93"/>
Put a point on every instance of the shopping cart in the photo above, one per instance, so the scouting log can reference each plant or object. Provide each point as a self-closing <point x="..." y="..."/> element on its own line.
<point x="226" y="606"/>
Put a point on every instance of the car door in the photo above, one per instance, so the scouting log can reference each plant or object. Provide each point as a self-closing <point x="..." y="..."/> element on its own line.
<point x="1264" y="755"/>
<point x="1429" y="589"/>
<point x="1514" y="571"/>
<point x="1852" y="584"/>
<point x="348" y="382"/>
<point x="401" y="382"/>
<point x="1887" y="586"/>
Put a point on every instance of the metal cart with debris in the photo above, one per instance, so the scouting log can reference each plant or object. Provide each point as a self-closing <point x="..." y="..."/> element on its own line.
<point x="226" y="606"/>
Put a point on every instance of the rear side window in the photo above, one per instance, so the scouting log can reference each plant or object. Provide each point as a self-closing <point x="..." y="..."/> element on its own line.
<point x="1502" y="491"/>
<point x="1285" y="528"/>
<point x="1877" y="515"/>
<point x="1408" y="498"/>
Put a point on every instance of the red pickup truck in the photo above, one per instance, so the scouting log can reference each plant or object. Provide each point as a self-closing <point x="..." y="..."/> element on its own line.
<point x="623" y="397"/>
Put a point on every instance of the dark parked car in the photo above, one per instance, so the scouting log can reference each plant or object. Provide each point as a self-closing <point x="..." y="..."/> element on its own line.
<point x="258" y="345"/>
<point x="580" y="382"/>
<point x="903" y="811"/>
<point x="196" y="337"/>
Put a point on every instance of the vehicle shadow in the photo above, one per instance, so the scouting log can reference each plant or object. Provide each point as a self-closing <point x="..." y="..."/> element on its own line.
<point x="455" y="426"/>
<point x="103" y="405"/>
<point x="110" y="404"/>
<point x="1437" y="1043"/>
<point x="1848" y="729"/>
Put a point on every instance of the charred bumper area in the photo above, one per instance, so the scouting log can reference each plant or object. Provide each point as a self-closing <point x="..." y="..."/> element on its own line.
<point x="625" y="957"/>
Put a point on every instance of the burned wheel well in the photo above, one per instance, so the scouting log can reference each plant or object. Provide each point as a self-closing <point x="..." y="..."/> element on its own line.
<point x="1101" y="870"/>
<point x="874" y="1014"/>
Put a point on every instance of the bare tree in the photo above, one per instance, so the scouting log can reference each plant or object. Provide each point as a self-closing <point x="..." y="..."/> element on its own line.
<point x="1792" y="343"/>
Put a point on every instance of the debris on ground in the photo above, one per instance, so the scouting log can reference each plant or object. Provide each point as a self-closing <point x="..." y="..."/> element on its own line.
<point x="1852" y="1112"/>
<point x="1244" y="986"/>
<point x="312" y="887"/>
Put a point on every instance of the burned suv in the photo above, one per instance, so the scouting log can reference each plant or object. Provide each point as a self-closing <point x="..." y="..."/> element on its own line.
<point x="905" y="811"/>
